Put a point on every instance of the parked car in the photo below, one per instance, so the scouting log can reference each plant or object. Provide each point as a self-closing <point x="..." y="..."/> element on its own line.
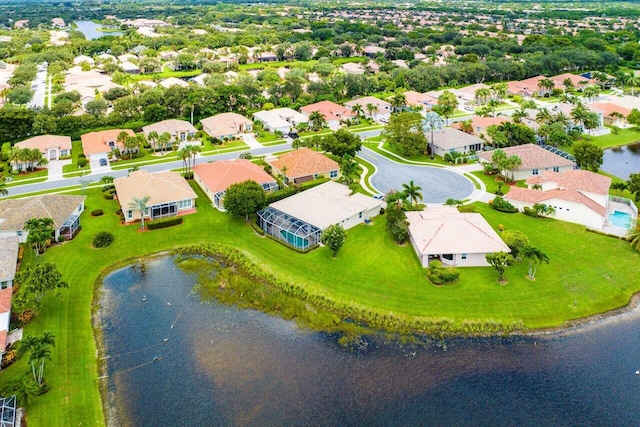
<point x="294" y="135"/>
<point x="103" y="162"/>
<point x="379" y="196"/>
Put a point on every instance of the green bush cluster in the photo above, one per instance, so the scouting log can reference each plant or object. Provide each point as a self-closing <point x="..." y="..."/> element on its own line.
<point x="440" y="275"/>
<point x="530" y="212"/>
<point x="102" y="239"/>
<point x="164" y="223"/>
<point x="97" y="212"/>
<point x="502" y="205"/>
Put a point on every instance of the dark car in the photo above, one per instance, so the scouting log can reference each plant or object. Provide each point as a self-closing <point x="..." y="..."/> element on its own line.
<point x="103" y="162"/>
<point x="294" y="135"/>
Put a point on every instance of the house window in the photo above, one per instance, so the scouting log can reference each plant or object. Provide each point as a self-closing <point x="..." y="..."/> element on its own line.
<point x="5" y="284"/>
<point x="464" y="256"/>
<point x="182" y="204"/>
<point x="556" y="169"/>
<point x="129" y="214"/>
<point x="448" y="256"/>
<point x="333" y="174"/>
<point x="535" y="172"/>
<point x="19" y="233"/>
<point x="360" y="215"/>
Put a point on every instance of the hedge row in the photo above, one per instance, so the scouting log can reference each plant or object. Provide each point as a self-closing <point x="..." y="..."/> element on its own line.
<point x="164" y="223"/>
<point x="293" y="189"/>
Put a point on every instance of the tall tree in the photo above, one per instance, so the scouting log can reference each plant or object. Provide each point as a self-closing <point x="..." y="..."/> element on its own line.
<point x="413" y="192"/>
<point x="334" y="237"/>
<point x="35" y="281"/>
<point x="244" y="198"/>
<point x="316" y="121"/>
<point x="140" y="204"/>
<point x="348" y="171"/>
<point x="40" y="233"/>
<point x="39" y="349"/>
<point x="432" y="122"/>
<point x="447" y="104"/>
<point x="500" y="261"/>
<point x="588" y="156"/>
<point x="404" y="133"/>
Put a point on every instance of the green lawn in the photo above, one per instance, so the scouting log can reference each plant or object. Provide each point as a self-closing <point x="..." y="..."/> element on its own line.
<point x="624" y="137"/>
<point x="589" y="273"/>
<point x="30" y="177"/>
<point x="490" y="182"/>
<point x="72" y="169"/>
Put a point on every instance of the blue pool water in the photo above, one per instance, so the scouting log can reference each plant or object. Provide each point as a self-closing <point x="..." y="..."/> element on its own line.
<point x="620" y="219"/>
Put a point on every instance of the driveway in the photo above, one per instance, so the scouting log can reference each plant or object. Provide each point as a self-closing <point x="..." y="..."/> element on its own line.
<point x="251" y="140"/>
<point x="38" y="86"/>
<point x="55" y="169"/>
<point x="438" y="184"/>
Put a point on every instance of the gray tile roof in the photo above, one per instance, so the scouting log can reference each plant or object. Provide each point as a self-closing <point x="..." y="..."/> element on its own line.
<point x="15" y="212"/>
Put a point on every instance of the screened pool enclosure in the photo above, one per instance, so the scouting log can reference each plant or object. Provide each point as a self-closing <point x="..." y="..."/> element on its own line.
<point x="288" y="229"/>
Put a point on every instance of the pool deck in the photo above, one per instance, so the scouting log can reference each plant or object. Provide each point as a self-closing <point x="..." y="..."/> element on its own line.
<point x="620" y="207"/>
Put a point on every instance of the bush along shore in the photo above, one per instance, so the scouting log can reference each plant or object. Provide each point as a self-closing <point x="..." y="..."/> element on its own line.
<point x="229" y="276"/>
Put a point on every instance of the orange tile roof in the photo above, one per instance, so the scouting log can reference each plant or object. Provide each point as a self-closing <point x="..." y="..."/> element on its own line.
<point x="5" y="300"/>
<point x="218" y="176"/>
<point x="607" y="108"/>
<point x="579" y="180"/>
<point x="96" y="142"/>
<point x="44" y="142"/>
<point x="304" y="162"/>
<point x="530" y="196"/>
<point x="330" y="110"/>
<point x="3" y="340"/>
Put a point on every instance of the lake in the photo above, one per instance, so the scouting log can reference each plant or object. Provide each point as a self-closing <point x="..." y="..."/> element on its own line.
<point x="622" y="161"/>
<point x="223" y="366"/>
<point x="89" y="29"/>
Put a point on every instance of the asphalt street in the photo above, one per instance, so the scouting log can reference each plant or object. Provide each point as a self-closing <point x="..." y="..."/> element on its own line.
<point x="438" y="184"/>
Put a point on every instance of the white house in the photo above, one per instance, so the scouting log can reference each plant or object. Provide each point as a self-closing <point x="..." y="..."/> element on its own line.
<point x="8" y="259"/>
<point x="280" y="119"/>
<point x="52" y="147"/>
<point x="372" y="107"/>
<point x="578" y="196"/>
<point x="455" y="238"/>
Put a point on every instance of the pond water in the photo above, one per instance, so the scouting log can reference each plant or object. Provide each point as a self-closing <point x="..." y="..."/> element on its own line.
<point x="224" y="366"/>
<point x="89" y="29"/>
<point x="622" y="161"/>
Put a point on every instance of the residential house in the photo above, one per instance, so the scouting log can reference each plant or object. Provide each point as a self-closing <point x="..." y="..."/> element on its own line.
<point x="99" y="145"/>
<point x="226" y="125"/>
<point x="535" y="160"/>
<point x="420" y="101"/>
<point x="455" y="238"/>
<point x="381" y="112"/>
<point x="373" y="51"/>
<point x="180" y="130"/>
<point x="9" y="247"/>
<point x="300" y="219"/>
<point x="333" y="113"/>
<point x="58" y="23"/>
<point x="64" y="210"/>
<point x="173" y="81"/>
<point x="52" y="147"/>
<point x="467" y="94"/>
<point x="83" y="58"/>
<point x="303" y="165"/>
<point x="280" y="119"/>
<point x="480" y="124"/>
<point x="214" y="178"/>
<point x="578" y="196"/>
<point x="610" y="112"/>
<point x="169" y="194"/>
<point x="353" y="68"/>
<point x="527" y="87"/>
<point x="448" y="140"/>
<point x="130" y="68"/>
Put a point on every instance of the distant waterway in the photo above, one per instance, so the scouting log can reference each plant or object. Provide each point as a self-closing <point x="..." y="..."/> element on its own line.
<point x="90" y="30"/>
<point x="622" y="161"/>
<point x="224" y="366"/>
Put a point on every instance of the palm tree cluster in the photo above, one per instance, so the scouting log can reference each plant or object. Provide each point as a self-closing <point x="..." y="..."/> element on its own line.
<point x="159" y="140"/>
<point x="30" y="158"/>
<point x="39" y="349"/>
<point x="188" y="155"/>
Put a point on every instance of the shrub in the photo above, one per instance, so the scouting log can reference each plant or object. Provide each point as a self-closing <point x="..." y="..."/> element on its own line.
<point x="118" y="211"/>
<point x="245" y="155"/>
<point x="163" y="223"/>
<point x="467" y="208"/>
<point x="61" y="239"/>
<point x="188" y="175"/>
<point x="26" y="316"/>
<point x="502" y="205"/>
<point x="108" y="187"/>
<point x="9" y="357"/>
<point x="108" y="196"/>
<point x="442" y="275"/>
<point x="82" y="156"/>
<point x="530" y="212"/>
<point x="102" y="239"/>
<point x="82" y="162"/>
<point x="97" y="212"/>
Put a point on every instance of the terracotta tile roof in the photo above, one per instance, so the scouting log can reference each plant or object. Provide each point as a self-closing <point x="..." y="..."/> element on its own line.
<point x="15" y="212"/>
<point x="480" y="124"/>
<point x="532" y="156"/>
<point x="607" y="108"/>
<point x="5" y="300"/>
<point x="440" y="230"/>
<point x="96" y="142"/>
<point x="417" y="99"/>
<point x="579" y="180"/>
<point x="44" y="142"/>
<point x="9" y="247"/>
<point x="530" y="196"/>
<point x="330" y="110"/>
<point x="3" y="339"/>
<point x="224" y="124"/>
<point x="575" y="80"/>
<point x="218" y="176"/>
<point x="383" y="106"/>
<point x="304" y="162"/>
<point x="161" y="187"/>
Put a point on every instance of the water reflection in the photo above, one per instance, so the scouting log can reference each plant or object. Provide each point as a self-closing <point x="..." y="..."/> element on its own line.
<point x="622" y="161"/>
<point x="222" y="366"/>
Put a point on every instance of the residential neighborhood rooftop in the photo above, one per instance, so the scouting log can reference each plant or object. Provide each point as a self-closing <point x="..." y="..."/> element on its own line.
<point x="14" y="213"/>
<point x="159" y="186"/>
<point x="531" y="155"/>
<point x="303" y="162"/>
<point x="218" y="176"/>
<point x="96" y="142"/>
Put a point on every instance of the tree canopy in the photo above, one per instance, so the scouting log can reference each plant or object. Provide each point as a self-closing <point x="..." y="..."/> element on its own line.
<point x="244" y="198"/>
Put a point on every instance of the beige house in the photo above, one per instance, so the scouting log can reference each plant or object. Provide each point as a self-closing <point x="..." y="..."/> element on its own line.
<point x="448" y="140"/>
<point x="381" y="112"/>
<point x="169" y="194"/>
<point x="180" y="130"/>
<point x="52" y="147"/>
<point x="9" y="247"/>
<point x="64" y="210"/>
<point x="455" y="238"/>
<point x="535" y="160"/>
<point x="226" y="125"/>
<point x="303" y="165"/>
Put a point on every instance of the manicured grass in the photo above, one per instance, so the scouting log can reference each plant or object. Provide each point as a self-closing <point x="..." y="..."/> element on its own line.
<point x="275" y="142"/>
<point x="589" y="273"/>
<point x="490" y="182"/>
<point x="267" y="137"/>
<point x="624" y="137"/>
<point x="31" y="177"/>
<point x="72" y="169"/>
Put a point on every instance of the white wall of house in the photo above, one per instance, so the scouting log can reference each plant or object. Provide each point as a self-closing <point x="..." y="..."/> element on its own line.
<point x="182" y="206"/>
<point x="576" y="213"/>
<point x="22" y="235"/>
<point x="528" y="173"/>
<point x="464" y="149"/>
<point x="358" y="218"/>
<point x="465" y="260"/>
<point x="4" y="322"/>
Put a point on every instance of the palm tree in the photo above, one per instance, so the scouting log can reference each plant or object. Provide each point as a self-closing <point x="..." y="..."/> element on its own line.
<point x="348" y="171"/>
<point x="412" y="192"/>
<point x="3" y="187"/>
<point x="500" y="90"/>
<point x="14" y="156"/>
<point x="579" y="114"/>
<point x="163" y="140"/>
<point x="130" y="144"/>
<point x="535" y="256"/>
<point x="431" y="122"/>
<point x="357" y="110"/>
<point x="140" y="204"/>
<point x="518" y="115"/>
<point x="122" y="137"/>
<point x="483" y="94"/>
<point x="398" y="101"/>
<point x="39" y="349"/>
<point x="617" y="117"/>
<point x="24" y="388"/>
<point x="153" y="138"/>
<point x="561" y="118"/>
<point x="567" y="83"/>
<point x="634" y="238"/>
<point x="317" y="120"/>
<point x="544" y="116"/>
<point x="184" y="153"/>
<point x="371" y="109"/>
<point x="590" y="122"/>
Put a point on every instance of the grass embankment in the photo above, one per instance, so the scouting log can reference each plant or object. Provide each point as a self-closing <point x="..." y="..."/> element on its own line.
<point x="588" y="274"/>
<point x="623" y="137"/>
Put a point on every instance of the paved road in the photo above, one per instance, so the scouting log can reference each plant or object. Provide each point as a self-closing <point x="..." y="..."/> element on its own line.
<point x="38" y="86"/>
<point x="438" y="184"/>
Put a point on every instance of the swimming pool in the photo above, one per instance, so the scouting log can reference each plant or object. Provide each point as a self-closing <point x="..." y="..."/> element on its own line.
<point x="620" y="219"/>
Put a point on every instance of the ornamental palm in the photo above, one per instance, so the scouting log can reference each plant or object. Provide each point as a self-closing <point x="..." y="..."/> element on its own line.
<point x="317" y="120"/>
<point x="482" y="95"/>
<point x="153" y="138"/>
<point x="634" y="238"/>
<point x="398" y="101"/>
<point x="412" y="192"/>
<point x="3" y="187"/>
<point x="140" y="204"/>
<point x="544" y="116"/>
<point x="535" y="257"/>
